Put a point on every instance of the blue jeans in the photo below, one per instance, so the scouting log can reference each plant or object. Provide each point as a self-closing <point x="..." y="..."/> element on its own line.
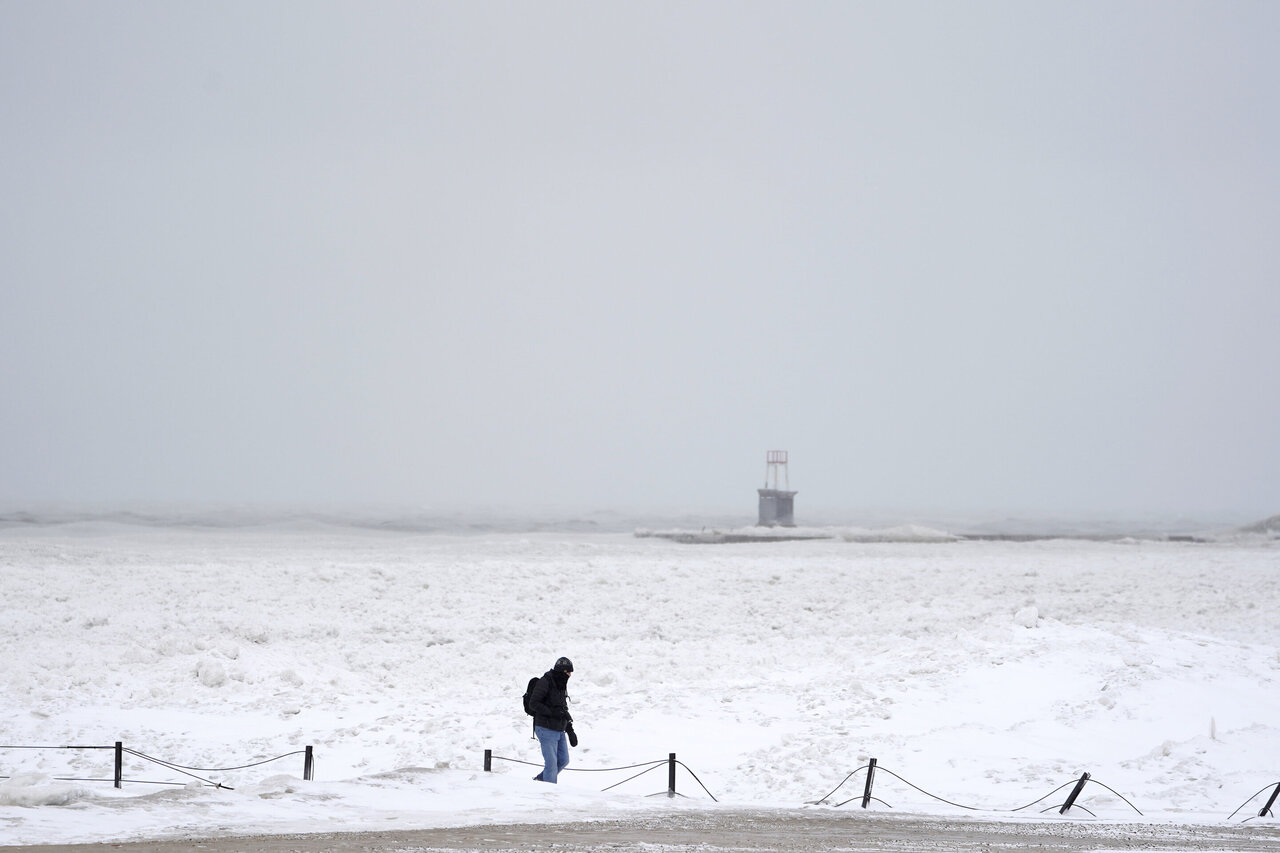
<point x="555" y="753"/>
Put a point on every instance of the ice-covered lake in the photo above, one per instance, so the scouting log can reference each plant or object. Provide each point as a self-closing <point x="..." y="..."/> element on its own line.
<point x="987" y="673"/>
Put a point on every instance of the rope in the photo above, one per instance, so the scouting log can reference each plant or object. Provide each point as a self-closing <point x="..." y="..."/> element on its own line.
<point x="1074" y="806"/>
<point x="1114" y="791"/>
<point x="177" y="769"/>
<point x="57" y="747"/>
<point x="130" y="781"/>
<point x="926" y="793"/>
<point x="1046" y="796"/>
<point x="851" y="799"/>
<point x="977" y="808"/>
<point x="900" y="779"/>
<point x="699" y="781"/>
<point x="629" y="778"/>
<point x="582" y="769"/>
<point x="173" y="766"/>
<point x="1251" y="799"/>
<point x="530" y="763"/>
<point x="841" y="785"/>
<point x="68" y="779"/>
<point x="648" y="765"/>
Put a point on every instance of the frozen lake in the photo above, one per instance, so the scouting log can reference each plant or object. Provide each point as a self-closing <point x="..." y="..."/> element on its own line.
<point x="987" y="673"/>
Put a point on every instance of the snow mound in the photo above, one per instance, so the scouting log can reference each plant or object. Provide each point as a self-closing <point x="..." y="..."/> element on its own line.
<point x="36" y="789"/>
<point x="1027" y="617"/>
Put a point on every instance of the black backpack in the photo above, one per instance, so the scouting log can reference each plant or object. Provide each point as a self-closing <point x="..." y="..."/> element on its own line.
<point x="528" y="694"/>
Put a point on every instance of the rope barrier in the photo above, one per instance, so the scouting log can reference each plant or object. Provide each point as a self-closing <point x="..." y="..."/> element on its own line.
<point x="582" y="769"/>
<point x="173" y="766"/>
<point x="978" y="808"/>
<point x="1045" y="797"/>
<point x="629" y="778"/>
<point x="120" y="750"/>
<point x="57" y="747"/>
<point x="1117" y="793"/>
<point x="841" y="785"/>
<point x="926" y="793"/>
<point x="130" y="781"/>
<point x="1265" y="809"/>
<point x="163" y="763"/>
<point x="699" y="781"/>
<point x="649" y="766"/>
<point x="1074" y="806"/>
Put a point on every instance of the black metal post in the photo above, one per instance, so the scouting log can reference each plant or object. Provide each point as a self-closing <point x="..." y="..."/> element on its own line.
<point x="119" y="780"/>
<point x="308" y="763"/>
<point x="871" y="775"/>
<point x="1271" y="802"/>
<point x="1075" y="792"/>
<point x="488" y="761"/>
<point x="671" y="775"/>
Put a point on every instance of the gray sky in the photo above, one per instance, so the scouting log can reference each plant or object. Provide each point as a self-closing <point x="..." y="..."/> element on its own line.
<point x="978" y="257"/>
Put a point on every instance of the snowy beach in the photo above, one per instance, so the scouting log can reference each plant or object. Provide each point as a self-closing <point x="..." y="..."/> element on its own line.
<point x="988" y="673"/>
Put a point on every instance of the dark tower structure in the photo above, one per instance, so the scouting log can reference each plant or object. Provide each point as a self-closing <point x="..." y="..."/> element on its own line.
<point x="777" y="506"/>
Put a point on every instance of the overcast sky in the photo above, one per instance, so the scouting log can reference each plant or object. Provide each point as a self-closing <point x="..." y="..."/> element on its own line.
<point x="966" y="256"/>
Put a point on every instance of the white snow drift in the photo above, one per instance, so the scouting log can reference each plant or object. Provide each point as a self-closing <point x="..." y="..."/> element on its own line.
<point x="987" y="673"/>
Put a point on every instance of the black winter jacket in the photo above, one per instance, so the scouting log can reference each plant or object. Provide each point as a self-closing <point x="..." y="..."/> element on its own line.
<point x="550" y="703"/>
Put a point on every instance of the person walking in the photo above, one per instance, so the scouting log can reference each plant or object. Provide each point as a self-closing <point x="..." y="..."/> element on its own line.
<point x="552" y="724"/>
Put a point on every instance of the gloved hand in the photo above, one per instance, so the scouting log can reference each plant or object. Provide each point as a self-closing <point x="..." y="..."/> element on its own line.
<point x="573" y="736"/>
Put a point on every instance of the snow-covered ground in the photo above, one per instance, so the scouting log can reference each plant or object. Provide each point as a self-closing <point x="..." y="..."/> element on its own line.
<point x="988" y="673"/>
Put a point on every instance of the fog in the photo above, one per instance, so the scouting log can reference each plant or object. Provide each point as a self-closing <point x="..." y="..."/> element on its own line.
<point x="967" y="257"/>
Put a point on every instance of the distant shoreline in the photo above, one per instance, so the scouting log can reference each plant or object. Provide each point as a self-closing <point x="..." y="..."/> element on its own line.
<point x="683" y="528"/>
<point x="765" y="535"/>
